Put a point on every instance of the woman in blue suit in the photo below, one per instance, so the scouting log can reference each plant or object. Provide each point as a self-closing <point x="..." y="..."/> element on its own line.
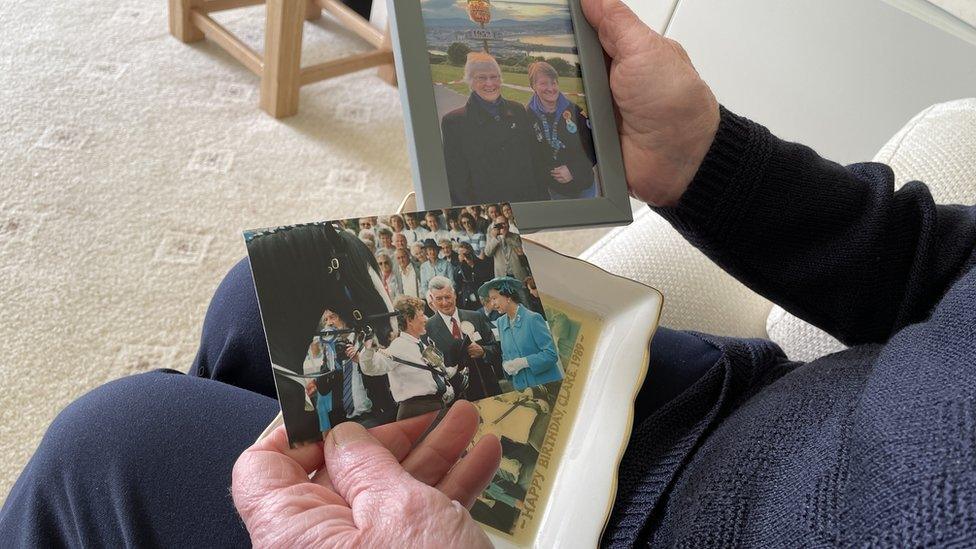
<point x="528" y="353"/>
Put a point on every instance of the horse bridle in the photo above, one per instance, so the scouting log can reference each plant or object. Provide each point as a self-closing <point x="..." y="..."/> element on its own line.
<point x="361" y="326"/>
<point x="339" y="258"/>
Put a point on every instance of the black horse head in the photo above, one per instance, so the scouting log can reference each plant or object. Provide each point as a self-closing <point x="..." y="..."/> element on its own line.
<point x="301" y="271"/>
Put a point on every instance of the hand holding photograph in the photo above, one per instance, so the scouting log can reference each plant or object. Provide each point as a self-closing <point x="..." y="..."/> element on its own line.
<point x="379" y="318"/>
<point x="360" y="329"/>
<point x="509" y="100"/>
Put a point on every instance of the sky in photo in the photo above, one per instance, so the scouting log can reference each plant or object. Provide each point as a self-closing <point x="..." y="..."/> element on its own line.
<point x="519" y="10"/>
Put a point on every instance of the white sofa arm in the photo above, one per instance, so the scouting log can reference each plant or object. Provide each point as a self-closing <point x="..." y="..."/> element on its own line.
<point x="937" y="147"/>
<point x="697" y="294"/>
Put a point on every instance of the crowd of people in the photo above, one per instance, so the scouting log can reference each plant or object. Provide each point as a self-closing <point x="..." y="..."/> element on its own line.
<point x="469" y="246"/>
<point x="470" y="320"/>
<point x="499" y="149"/>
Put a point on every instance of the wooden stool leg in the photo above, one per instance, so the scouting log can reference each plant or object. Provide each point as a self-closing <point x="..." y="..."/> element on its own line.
<point x="313" y="11"/>
<point x="180" y="25"/>
<point x="281" y="77"/>
<point x="387" y="72"/>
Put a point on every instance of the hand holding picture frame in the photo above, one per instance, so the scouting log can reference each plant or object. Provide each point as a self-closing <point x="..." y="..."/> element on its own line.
<point x="510" y="101"/>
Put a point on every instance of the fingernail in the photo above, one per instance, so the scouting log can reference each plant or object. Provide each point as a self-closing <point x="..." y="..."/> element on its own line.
<point x="347" y="433"/>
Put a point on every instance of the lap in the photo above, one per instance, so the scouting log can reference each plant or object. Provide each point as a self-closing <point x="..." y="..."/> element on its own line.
<point x="678" y="359"/>
<point x="144" y="460"/>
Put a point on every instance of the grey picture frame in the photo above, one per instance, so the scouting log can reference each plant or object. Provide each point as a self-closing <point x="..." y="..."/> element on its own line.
<point x="425" y="145"/>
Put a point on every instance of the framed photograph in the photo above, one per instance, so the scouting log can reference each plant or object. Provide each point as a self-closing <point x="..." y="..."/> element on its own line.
<point x="509" y="101"/>
<point x="383" y="318"/>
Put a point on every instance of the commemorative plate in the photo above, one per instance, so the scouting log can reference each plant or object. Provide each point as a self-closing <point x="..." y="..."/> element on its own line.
<point x="562" y="442"/>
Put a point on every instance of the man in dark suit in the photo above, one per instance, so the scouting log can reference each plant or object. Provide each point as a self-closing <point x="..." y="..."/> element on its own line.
<point x="490" y="150"/>
<point x="471" y="272"/>
<point x="476" y="349"/>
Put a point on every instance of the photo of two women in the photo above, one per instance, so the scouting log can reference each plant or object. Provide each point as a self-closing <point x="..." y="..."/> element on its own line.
<point x="497" y="148"/>
<point x="510" y="101"/>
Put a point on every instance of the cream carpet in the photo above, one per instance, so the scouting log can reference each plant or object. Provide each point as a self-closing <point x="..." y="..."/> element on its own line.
<point x="129" y="163"/>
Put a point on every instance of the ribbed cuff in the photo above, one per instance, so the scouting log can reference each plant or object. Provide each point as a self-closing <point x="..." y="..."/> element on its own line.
<point x="710" y="207"/>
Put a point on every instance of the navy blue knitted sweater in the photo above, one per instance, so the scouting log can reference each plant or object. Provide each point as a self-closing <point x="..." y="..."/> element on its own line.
<point x="872" y="446"/>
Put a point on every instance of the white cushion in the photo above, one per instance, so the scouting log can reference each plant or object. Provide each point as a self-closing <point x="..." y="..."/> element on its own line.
<point x="938" y="147"/>
<point x="697" y="294"/>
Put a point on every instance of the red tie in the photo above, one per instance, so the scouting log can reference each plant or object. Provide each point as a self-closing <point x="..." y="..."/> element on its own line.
<point x="455" y="331"/>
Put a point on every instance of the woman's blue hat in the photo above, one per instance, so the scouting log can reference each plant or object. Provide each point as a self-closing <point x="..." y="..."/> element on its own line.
<point x="505" y="285"/>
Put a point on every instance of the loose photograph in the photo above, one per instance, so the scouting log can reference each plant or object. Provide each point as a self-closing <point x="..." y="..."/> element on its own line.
<point x="383" y="318"/>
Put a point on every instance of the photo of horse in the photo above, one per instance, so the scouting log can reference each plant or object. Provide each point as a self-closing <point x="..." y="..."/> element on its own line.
<point x="382" y="318"/>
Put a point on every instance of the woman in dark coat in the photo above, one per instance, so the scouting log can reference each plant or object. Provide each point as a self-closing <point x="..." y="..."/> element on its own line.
<point x="562" y="134"/>
<point x="489" y="144"/>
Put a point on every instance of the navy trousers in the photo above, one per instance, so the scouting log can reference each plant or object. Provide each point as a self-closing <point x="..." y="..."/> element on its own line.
<point x="146" y="460"/>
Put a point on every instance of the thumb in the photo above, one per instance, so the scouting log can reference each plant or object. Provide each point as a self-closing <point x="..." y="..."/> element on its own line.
<point x="621" y="31"/>
<point x="359" y="465"/>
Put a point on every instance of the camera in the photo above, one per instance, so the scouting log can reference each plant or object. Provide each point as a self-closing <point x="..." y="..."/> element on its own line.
<point x="340" y="349"/>
<point x="500" y="225"/>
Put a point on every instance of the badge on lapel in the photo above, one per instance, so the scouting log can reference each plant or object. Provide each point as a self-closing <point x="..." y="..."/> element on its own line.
<point x="570" y="125"/>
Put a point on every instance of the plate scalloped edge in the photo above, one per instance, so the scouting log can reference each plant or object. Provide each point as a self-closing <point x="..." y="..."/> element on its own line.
<point x="622" y="416"/>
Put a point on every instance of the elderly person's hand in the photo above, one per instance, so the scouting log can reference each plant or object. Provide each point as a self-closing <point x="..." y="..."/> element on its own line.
<point x="363" y="488"/>
<point x="668" y="115"/>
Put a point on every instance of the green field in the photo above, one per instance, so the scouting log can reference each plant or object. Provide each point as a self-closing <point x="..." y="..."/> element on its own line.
<point x="443" y="74"/>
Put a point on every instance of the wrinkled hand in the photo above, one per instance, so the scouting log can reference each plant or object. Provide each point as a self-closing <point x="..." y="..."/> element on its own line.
<point x="369" y="489"/>
<point x="561" y="174"/>
<point x="668" y="115"/>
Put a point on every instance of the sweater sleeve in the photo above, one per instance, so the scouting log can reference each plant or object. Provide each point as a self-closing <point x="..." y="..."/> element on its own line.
<point x="834" y="245"/>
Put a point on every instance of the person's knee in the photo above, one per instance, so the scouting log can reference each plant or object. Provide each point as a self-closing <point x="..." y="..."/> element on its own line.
<point x="69" y="493"/>
<point x="121" y="462"/>
<point x="110" y="438"/>
<point x="101" y="423"/>
<point x="682" y="353"/>
<point x="234" y="301"/>
<point x="232" y="346"/>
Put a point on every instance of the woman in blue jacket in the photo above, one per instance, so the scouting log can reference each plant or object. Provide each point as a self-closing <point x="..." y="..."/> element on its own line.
<point x="528" y="353"/>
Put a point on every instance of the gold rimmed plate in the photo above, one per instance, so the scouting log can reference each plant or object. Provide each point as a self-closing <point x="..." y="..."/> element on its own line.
<point x="562" y="442"/>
